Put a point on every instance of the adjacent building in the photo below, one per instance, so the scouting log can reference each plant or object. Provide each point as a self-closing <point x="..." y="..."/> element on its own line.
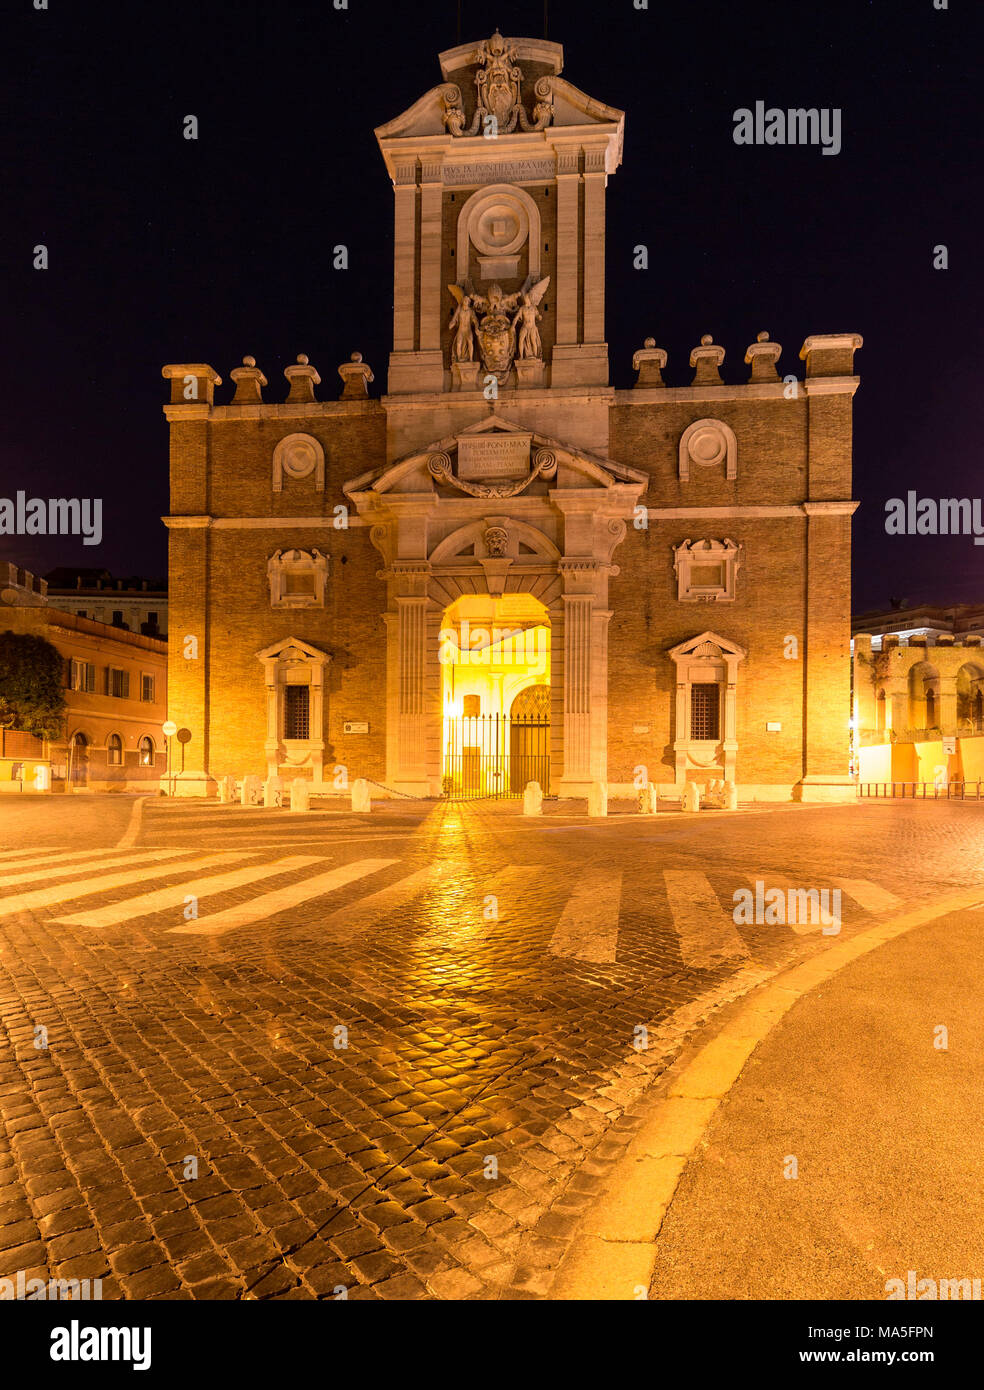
<point x="115" y="696"/>
<point x="503" y="569"/>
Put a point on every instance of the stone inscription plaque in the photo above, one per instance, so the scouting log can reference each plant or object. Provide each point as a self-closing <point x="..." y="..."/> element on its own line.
<point x="493" y="456"/>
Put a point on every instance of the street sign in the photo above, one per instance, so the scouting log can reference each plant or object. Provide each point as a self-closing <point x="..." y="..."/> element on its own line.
<point x="949" y="745"/>
<point x="169" y="728"/>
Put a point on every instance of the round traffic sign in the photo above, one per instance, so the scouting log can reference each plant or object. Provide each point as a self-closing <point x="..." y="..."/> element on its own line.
<point x="169" y="728"/>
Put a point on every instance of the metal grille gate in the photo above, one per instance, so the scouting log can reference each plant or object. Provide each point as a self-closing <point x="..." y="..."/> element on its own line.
<point x="495" y="755"/>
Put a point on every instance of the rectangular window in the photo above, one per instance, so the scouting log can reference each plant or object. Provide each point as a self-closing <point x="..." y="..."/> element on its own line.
<point x="296" y="711"/>
<point x="117" y="683"/>
<point x="299" y="583"/>
<point x="705" y="711"/>
<point x="146" y="688"/>
<point x="82" y="676"/>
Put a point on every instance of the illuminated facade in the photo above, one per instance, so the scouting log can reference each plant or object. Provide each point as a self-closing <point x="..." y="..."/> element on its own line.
<point x="644" y="585"/>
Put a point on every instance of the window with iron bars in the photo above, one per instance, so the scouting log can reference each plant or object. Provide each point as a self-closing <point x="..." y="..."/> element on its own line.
<point x="705" y="711"/>
<point x="296" y="711"/>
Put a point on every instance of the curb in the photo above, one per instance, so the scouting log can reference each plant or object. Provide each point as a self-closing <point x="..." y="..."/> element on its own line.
<point x="613" y="1256"/>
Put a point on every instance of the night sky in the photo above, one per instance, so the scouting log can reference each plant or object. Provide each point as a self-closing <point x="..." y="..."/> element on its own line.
<point x="168" y="250"/>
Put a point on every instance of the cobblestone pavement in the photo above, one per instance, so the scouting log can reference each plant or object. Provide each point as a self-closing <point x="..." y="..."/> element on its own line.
<point x="402" y="1051"/>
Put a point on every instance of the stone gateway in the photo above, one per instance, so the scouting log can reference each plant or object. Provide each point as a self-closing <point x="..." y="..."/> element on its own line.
<point x="503" y="570"/>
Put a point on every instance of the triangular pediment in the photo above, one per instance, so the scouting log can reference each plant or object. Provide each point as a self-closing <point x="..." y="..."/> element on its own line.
<point x="292" y="649"/>
<point x="707" y="644"/>
<point x="441" y="464"/>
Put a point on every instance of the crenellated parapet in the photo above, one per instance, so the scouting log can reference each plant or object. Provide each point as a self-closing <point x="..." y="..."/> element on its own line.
<point x="829" y="362"/>
<point x="193" y="385"/>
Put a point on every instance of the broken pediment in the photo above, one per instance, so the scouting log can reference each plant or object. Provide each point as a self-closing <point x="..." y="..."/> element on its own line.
<point x="500" y="86"/>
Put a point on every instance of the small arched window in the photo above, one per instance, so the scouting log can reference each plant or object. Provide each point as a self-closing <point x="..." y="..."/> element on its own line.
<point x="146" y="750"/>
<point x="114" y="750"/>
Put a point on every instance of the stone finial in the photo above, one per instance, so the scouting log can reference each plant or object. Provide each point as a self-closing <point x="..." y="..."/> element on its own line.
<point x="191" y="382"/>
<point x="303" y="379"/>
<point x="831" y="354"/>
<point x="356" y="375"/>
<point x="648" y="362"/>
<point x="763" y="355"/>
<point x="707" y="359"/>
<point x="249" y="381"/>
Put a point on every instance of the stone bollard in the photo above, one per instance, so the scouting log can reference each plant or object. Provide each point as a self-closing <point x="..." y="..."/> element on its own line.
<point x="646" y="800"/>
<point x="533" y="799"/>
<point x="227" y="790"/>
<point x="691" y="796"/>
<point x="251" y="790"/>
<point x="273" y="791"/>
<point x="300" y="794"/>
<point x="598" y="799"/>
<point x="730" y="796"/>
<point x="361" y="796"/>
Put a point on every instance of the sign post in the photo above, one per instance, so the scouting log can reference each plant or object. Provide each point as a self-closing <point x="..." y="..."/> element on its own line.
<point x="169" y="729"/>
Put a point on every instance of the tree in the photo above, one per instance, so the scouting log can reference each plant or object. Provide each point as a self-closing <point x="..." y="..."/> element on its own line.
<point x="31" y="677"/>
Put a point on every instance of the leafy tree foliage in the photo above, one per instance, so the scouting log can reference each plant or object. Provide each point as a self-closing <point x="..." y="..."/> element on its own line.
<point x="31" y="684"/>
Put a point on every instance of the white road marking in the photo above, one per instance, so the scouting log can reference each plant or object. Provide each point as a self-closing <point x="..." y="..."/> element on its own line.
<point x="55" y="851"/>
<point x="60" y="865"/>
<point x="129" y="838"/>
<point x="707" y="933"/>
<point x="868" y="895"/>
<point x="160" y="899"/>
<point x="268" y="904"/>
<point x="81" y="888"/>
<point x="366" y="912"/>
<point x="588" y="926"/>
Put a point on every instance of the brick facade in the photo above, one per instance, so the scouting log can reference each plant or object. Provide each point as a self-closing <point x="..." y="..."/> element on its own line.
<point x="612" y="490"/>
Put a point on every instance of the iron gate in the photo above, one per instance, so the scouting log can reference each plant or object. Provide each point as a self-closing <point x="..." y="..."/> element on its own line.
<point x="495" y="755"/>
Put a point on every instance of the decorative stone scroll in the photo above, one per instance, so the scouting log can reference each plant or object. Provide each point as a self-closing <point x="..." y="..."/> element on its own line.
<point x="544" y="465"/>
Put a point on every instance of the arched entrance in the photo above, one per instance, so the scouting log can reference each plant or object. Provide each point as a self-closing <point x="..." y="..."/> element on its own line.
<point x="495" y="674"/>
<point x="79" y="761"/>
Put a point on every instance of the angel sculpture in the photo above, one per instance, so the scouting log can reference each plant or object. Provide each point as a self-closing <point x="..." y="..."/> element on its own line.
<point x="524" y="320"/>
<point x="465" y="321"/>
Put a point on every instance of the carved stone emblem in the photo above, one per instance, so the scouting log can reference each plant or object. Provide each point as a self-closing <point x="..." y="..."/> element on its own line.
<point x="504" y="325"/>
<point x="496" y="539"/>
<point x="498" y="83"/>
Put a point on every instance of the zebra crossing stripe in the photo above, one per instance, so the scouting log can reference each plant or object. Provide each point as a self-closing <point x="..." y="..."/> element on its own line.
<point x="281" y="899"/>
<point x="111" y="858"/>
<point x="707" y="933"/>
<point x="81" y="888"/>
<point x="868" y="895"/>
<point x="160" y="899"/>
<point x="29" y="854"/>
<point x="366" y="912"/>
<point x="588" y="926"/>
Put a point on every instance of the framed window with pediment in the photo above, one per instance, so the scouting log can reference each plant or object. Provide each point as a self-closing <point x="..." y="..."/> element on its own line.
<point x="707" y="571"/>
<point x="297" y="578"/>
